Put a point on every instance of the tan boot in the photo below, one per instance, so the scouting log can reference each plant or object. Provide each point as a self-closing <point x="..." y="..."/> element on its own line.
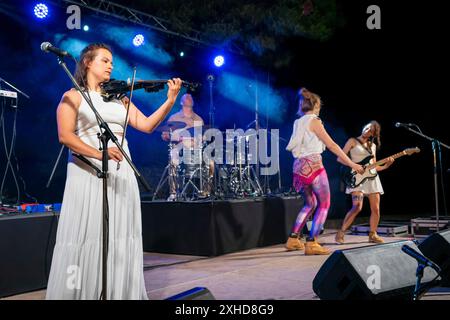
<point x="339" y="238"/>
<point x="375" y="238"/>
<point x="294" y="244"/>
<point x="314" y="248"/>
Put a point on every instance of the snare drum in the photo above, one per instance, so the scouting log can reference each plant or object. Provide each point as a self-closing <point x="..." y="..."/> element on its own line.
<point x="190" y="160"/>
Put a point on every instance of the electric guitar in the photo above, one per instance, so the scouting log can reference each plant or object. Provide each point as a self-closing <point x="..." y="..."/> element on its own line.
<point x="352" y="179"/>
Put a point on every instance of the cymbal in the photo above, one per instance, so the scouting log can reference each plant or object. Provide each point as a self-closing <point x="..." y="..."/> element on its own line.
<point x="199" y="129"/>
<point x="171" y="125"/>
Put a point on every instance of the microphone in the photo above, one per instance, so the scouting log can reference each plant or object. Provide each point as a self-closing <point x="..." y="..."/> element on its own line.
<point x="420" y="258"/>
<point x="48" y="47"/>
<point x="406" y="125"/>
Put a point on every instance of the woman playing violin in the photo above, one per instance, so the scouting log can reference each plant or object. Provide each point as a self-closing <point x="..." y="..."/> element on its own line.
<point x="78" y="246"/>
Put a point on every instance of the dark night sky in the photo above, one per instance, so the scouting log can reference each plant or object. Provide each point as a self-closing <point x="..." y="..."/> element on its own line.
<point x="394" y="74"/>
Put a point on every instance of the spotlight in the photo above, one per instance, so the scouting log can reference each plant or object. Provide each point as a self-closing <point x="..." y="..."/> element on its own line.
<point x="219" y="61"/>
<point x="138" y="40"/>
<point x="40" y="11"/>
<point x="86" y="28"/>
<point x="181" y="54"/>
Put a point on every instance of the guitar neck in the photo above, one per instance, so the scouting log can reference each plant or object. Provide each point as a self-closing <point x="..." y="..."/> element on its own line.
<point x="383" y="161"/>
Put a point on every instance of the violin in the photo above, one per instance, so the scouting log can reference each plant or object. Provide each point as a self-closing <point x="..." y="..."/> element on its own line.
<point x="117" y="89"/>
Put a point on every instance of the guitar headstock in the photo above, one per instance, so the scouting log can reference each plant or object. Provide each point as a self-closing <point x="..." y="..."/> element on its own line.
<point x="411" y="151"/>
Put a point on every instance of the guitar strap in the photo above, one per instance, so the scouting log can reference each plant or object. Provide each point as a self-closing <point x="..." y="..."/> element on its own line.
<point x="367" y="149"/>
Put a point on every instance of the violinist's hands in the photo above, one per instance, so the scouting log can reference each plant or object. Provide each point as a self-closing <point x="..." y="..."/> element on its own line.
<point x="115" y="154"/>
<point x="174" y="88"/>
<point x="125" y="101"/>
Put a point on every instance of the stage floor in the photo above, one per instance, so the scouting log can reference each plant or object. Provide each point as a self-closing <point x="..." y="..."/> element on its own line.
<point x="255" y="274"/>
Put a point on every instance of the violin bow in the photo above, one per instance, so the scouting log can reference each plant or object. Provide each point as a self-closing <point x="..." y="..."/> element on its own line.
<point x="128" y="111"/>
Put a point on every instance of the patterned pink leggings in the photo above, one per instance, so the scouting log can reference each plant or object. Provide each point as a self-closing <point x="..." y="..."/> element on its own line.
<point x="317" y="199"/>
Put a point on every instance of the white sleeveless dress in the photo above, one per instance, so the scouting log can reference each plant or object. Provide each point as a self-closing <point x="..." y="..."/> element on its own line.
<point x="357" y="154"/>
<point x="76" y="270"/>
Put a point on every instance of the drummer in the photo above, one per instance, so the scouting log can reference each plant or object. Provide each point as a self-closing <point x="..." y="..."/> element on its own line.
<point x="188" y="116"/>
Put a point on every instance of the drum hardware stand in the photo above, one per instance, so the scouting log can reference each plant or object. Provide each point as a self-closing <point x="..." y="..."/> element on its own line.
<point x="247" y="184"/>
<point x="169" y="173"/>
<point x="267" y="179"/>
<point x="199" y="192"/>
<point x="190" y="182"/>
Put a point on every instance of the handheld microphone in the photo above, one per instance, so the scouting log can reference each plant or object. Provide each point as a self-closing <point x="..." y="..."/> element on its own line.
<point x="48" y="47"/>
<point x="406" y="125"/>
<point x="420" y="258"/>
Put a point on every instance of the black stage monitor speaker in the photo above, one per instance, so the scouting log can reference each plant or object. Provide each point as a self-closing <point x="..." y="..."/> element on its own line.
<point x="197" y="293"/>
<point x="381" y="271"/>
<point x="436" y="247"/>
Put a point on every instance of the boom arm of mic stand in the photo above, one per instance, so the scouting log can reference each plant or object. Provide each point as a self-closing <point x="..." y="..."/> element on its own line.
<point x="14" y="88"/>
<point x="104" y="125"/>
<point x="436" y="158"/>
<point x="427" y="137"/>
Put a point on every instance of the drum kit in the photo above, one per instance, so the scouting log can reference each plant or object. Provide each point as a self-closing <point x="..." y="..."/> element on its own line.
<point x="190" y="175"/>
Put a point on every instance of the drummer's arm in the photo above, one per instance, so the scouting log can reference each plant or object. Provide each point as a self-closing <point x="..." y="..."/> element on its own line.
<point x="165" y="135"/>
<point x="147" y="124"/>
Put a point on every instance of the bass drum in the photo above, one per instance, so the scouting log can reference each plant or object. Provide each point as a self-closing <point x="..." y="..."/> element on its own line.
<point x="191" y="171"/>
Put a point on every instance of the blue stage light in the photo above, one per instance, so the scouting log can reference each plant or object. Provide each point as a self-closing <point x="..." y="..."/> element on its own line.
<point x="219" y="61"/>
<point x="138" y="40"/>
<point x="40" y="11"/>
<point x="86" y="28"/>
<point x="181" y="54"/>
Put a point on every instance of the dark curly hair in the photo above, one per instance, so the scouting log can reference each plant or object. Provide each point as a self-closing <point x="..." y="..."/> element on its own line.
<point x="87" y="55"/>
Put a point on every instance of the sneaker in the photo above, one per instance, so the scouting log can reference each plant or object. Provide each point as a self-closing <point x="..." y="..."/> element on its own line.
<point x="375" y="238"/>
<point x="172" y="197"/>
<point x="314" y="248"/>
<point x="339" y="238"/>
<point x="294" y="244"/>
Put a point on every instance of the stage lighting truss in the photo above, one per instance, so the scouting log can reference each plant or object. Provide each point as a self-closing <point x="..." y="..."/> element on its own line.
<point x="127" y="14"/>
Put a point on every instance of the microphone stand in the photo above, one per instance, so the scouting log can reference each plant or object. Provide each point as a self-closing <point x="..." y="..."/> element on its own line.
<point x="419" y="275"/>
<point x="256" y="122"/>
<point x="257" y="130"/>
<point x="418" y="291"/>
<point x="210" y="79"/>
<point x="104" y="137"/>
<point x="54" y="167"/>
<point x="435" y="145"/>
<point x="9" y="153"/>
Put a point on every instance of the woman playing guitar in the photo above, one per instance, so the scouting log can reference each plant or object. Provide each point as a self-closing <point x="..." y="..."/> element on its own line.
<point x="358" y="149"/>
